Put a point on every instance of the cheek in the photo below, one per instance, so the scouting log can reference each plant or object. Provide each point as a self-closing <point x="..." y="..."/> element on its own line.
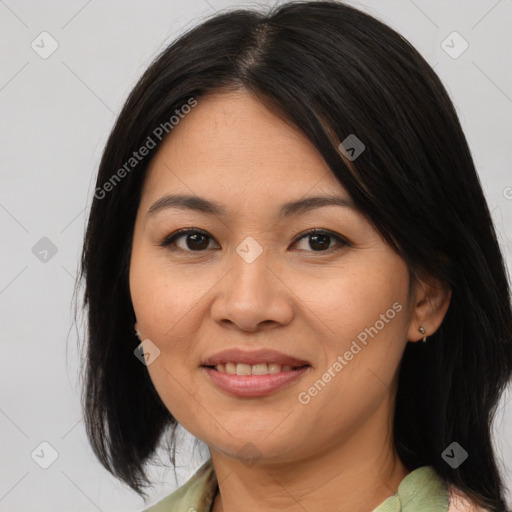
<point x="164" y="309"/>
<point x="162" y="297"/>
<point x="365" y="324"/>
<point x="363" y="317"/>
<point x="169" y="305"/>
<point x="356" y="298"/>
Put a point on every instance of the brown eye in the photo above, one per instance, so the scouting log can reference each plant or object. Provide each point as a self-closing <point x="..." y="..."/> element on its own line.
<point x="320" y="241"/>
<point x="194" y="240"/>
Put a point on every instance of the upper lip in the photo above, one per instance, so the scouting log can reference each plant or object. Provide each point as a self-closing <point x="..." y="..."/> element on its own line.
<point x="235" y="355"/>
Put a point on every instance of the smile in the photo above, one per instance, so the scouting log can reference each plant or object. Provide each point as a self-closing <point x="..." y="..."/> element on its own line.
<point x="254" y="384"/>
<point x="254" y="369"/>
<point x="253" y="373"/>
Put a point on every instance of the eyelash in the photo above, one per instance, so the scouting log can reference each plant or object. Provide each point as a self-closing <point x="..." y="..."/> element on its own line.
<point x="171" y="239"/>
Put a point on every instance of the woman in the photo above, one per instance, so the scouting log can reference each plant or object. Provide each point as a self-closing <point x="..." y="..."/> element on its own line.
<point x="288" y="217"/>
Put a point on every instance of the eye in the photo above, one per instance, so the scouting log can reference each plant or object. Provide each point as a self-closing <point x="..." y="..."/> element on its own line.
<point x="194" y="240"/>
<point x="320" y="240"/>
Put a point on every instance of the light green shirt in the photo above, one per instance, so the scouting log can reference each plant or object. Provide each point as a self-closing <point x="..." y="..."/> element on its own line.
<point x="422" y="490"/>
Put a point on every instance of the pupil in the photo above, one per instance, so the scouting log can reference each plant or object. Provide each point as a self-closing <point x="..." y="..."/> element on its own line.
<point x="319" y="246"/>
<point x="194" y="237"/>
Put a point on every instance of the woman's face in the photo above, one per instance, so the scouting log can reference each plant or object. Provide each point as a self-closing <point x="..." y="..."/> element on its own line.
<point x="255" y="279"/>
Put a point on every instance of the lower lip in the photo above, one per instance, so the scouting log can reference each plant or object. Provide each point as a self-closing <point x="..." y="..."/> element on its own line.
<point x="254" y="385"/>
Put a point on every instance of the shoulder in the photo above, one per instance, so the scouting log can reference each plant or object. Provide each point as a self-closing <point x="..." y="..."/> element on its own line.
<point x="459" y="502"/>
<point x="196" y="494"/>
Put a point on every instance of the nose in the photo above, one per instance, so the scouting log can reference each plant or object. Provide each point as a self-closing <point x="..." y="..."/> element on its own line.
<point x="253" y="296"/>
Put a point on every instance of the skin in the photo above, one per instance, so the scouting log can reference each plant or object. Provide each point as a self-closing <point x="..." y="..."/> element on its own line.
<point x="308" y="303"/>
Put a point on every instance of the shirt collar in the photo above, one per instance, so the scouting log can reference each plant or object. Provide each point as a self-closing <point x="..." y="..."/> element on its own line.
<point x="422" y="490"/>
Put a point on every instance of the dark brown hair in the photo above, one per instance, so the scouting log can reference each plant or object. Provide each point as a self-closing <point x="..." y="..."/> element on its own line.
<point x="328" y="68"/>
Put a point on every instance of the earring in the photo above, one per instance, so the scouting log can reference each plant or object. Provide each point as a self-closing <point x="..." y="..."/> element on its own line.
<point x="137" y="333"/>
<point x="422" y="330"/>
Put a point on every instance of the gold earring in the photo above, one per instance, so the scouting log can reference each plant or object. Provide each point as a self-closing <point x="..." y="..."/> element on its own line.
<point x="422" y="330"/>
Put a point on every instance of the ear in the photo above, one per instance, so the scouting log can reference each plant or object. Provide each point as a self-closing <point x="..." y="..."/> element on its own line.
<point x="431" y="299"/>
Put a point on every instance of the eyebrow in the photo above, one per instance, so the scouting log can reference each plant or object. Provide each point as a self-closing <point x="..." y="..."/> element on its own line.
<point x="200" y="204"/>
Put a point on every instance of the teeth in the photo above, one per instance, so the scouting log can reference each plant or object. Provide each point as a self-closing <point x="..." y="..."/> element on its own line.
<point x="274" y="368"/>
<point x="259" y="369"/>
<point x="243" y="369"/>
<point x="254" y="369"/>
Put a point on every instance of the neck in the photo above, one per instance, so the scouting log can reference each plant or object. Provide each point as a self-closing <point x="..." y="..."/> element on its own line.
<point x="355" y="476"/>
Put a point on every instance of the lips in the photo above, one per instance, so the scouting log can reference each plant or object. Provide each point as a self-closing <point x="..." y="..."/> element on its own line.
<point x="258" y="372"/>
<point x="253" y="386"/>
<point x="253" y="357"/>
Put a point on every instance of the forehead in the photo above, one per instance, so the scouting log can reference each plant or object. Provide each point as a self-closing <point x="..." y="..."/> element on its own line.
<point x="233" y="142"/>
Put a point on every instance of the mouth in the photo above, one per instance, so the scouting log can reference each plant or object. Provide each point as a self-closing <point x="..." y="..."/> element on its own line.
<point x="241" y="361"/>
<point x="235" y="368"/>
<point x="247" y="384"/>
<point x="253" y="373"/>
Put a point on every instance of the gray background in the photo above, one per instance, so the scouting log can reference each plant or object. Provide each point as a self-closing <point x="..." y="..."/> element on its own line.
<point x="55" y="116"/>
